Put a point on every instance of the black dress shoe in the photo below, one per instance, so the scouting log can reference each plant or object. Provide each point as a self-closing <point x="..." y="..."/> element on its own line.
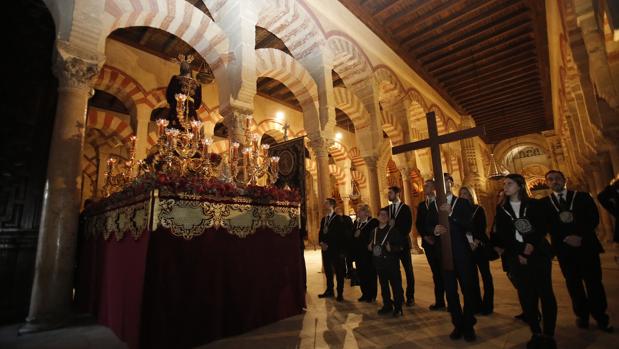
<point x="327" y="294"/>
<point x="397" y="312"/>
<point x="339" y="298"/>
<point x="370" y="300"/>
<point x="469" y="335"/>
<point x="608" y="328"/>
<point x="385" y="310"/>
<point x="410" y="302"/>
<point x="437" y="307"/>
<point x="582" y="323"/>
<point x="362" y="299"/>
<point x="455" y="334"/>
<point x="535" y="342"/>
<point x="548" y="342"/>
<point x="520" y="317"/>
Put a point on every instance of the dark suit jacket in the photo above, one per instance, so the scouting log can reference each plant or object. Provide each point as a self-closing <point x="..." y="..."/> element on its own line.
<point x="460" y="221"/>
<point x="609" y="198"/>
<point x="478" y="226"/>
<point x="360" y="244"/>
<point x="505" y="235"/>
<point x="586" y="219"/>
<point x="334" y="235"/>
<point x="426" y="220"/>
<point x="403" y="223"/>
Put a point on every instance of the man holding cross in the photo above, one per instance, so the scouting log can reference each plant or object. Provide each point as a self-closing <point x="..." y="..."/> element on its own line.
<point x="451" y="218"/>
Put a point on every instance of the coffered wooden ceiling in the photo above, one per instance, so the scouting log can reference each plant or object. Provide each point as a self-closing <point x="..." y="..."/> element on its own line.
<point x="487" y="58"/>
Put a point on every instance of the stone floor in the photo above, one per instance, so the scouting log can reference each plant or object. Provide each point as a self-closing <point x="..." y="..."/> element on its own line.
<point x="328" y="324"/>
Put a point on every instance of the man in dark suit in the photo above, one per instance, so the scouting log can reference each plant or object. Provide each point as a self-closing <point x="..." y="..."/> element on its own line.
<point x="401" y="217"/>
<point x="609" y="198"/>
<point x="347" y="231"/>
<point x="427" y="219"/>
<point x="460" y="220"/>
<point x="333" y="242"/>
<point x="573" y="217"/>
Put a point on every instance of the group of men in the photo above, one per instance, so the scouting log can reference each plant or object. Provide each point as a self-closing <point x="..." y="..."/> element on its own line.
<point x="571" y="221"/>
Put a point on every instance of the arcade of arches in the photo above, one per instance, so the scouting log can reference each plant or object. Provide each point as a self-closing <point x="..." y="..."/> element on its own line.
<point x="332" y="81"/>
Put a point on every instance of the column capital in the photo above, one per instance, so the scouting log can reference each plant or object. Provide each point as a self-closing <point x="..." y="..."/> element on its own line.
<point x="466" y="122"/>
<point x="371" y="161"/>
<point x="74" y="67"/>
<point x="320" y="145"/>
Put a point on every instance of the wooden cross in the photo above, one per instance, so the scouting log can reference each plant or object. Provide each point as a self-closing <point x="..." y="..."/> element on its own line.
<point x="434" y="142"/>
<point x="285" y="129"/>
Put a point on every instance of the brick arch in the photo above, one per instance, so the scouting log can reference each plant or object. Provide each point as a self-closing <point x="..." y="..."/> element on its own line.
<point x="390" y="86"/>
<point x="338" y="173"/>
<point x="358" y="177"/>
<point x="265" y="126"/>
<point x="355" y="157"/>
<point x="277" y="65"/>
<point x="350" y="104"/>
<point x="392" y="128"/>
<point x="156" y="97"/>
<point x="294" y="25"/>
<point x="441" y="118"/>
<point x="349" y="60"/>
<point x="109" y="124"/>
<point x="179" y="18"/>
<point x="121" y="85"/>
<point x="338" y="151"/>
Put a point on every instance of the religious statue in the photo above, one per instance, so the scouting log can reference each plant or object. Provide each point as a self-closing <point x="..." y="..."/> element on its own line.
<point x="183" y="85"/>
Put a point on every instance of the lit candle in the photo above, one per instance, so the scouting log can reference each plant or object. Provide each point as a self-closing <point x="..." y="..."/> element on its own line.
<point x="205" y="144"/>
<point x="235" y="150"/>
<point x="247" y="120"/>
<point x="161" y="125"/>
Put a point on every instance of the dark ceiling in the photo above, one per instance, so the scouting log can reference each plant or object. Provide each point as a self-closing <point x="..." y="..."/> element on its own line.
<point x="487" y="58"/>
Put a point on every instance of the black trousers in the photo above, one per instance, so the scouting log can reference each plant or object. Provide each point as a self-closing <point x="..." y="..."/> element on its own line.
<point x="407" y="264"/>
<point x="534" y="285"/>
<point x="584" y="271"/>
<point x="434" y="260"/>
<point x="367" y="274"/>
<point x="334" y="262"/>
<point x="390" y="282"/>
<point x="482" y="266"/>
<point x="462" y="318"/>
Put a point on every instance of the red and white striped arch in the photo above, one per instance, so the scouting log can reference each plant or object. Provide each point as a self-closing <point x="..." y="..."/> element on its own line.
<point x="348" y="102"/>
<point x="277" y="65"/>
<point x="119" y="84"/>
<point x="294" y="25"/>
<point x="109" y="124"/>
<point x="358" y="177"/>
<point x="391" y="88"/>
<point x="349" y="60"/>
<point x="179" y="18"/>
<point x="338" y="151"/>
<point x="338" y="173"/>
<point x="392" y="128"/>
<point x="355" y="157"/>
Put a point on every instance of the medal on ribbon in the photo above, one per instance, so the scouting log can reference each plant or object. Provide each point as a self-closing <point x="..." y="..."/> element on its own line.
<point x="357" y="233"/>
<point x="566" y="217"/>
<point x="377" y="250"/>
<point x="523" y="225"/>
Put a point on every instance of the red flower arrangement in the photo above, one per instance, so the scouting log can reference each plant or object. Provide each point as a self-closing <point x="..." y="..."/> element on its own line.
<point x="196" y="185"/>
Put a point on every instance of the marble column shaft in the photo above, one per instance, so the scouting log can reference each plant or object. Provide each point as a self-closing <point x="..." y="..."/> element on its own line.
<point x="53" y="281"/>
<point x="320" y="147"/>
<point x="372" y="168"/>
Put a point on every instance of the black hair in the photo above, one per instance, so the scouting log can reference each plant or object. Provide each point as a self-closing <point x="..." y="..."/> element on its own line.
<point x="554" y="171"/>
<point x="448" y="176"/>
<point x="331" y="202"/>
<point x="395" y="189"/>
<point x="523" y="193"/>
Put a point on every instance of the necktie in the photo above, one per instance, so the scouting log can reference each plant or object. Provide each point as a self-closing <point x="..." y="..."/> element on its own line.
<point x="562" y="201"/>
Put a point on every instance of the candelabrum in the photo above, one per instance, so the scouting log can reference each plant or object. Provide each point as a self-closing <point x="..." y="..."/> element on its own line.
<point x="183" y="151"/>
<point x="119" y="173"/>
<point x="252" y="162"/>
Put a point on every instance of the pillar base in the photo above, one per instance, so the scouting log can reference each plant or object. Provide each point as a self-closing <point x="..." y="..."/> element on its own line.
<point x="45" y="324"/>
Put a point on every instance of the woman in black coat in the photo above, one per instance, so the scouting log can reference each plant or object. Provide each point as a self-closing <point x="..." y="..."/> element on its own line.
<point x="520" y="232"/>
<point x="386" y="245"/>
<point x="480" y="245"/>
<point x="363" y="232"/>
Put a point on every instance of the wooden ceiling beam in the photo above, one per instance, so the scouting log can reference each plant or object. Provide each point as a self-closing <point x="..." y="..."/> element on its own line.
<point x="414" y="9"/>
<point x="507" y="88"/>
<point x="478" y="71"/>
<point x="491" y="52"/>
<point x="456" y="19"/>
<point x="489" y="99"/>
<point x="516" y="103"/>
<point x="485" y="32"/>
<point x="425" y="17"/>
<point x="498" y="77"/>
<point x="499" y="99"/>
<point x="520" y="29"/>
<point x="510" y="112"/>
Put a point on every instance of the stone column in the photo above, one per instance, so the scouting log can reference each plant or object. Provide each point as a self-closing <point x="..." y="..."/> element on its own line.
<point x="599" y="183"/>
<point x="371" y="164"/>
<point x="408" y="199"/>
<point x="141" y="132"/>
<point x="50" y="303"/>
<point x="235" y="120"/>
<point x="347" y="185"/>
<point x="320" y="147"/>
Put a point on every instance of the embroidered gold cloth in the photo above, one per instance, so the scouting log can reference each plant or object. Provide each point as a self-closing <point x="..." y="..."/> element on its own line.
<point x="188" y="216"/>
